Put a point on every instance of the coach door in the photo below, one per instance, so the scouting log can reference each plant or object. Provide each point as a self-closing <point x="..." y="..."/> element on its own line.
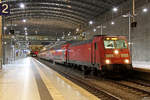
<point x="94" y="52"/>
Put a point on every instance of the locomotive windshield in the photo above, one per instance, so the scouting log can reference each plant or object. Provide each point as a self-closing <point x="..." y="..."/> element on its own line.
<point x="115" y="44"/>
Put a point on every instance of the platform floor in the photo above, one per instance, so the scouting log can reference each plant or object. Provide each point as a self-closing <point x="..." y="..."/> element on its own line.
<point x="141" y="64"/>
<point x="28" y="79"/>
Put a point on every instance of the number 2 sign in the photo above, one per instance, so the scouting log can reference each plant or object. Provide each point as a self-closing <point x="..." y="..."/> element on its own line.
<point x="4" y="9"/>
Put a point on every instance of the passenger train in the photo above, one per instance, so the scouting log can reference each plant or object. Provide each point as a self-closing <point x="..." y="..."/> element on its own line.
<point x="101" y="53"/>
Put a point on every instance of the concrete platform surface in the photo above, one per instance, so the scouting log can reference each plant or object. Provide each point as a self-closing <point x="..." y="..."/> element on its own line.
<point x="143" y="66"/>
<point x="28" y="79"/>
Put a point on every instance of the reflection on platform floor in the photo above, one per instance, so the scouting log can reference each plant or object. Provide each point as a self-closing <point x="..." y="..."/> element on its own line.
<point x="28" y="79"/>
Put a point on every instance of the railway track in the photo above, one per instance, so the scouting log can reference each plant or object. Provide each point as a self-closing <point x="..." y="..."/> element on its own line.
<point x="144" y="83"/>
<point x="138" y="91"/>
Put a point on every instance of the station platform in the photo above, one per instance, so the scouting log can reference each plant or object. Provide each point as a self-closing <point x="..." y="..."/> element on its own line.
<point x="141" y="66"/>
<point x="28" y="79"/>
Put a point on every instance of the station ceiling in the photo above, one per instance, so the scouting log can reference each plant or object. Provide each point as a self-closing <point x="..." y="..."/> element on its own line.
<point x="48" y="17"/>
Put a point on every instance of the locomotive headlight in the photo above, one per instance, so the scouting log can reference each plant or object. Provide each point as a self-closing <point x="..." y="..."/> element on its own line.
<point x="126" y="61"/>
<point x="116" y="52"/>
<point x="107" y="61"/>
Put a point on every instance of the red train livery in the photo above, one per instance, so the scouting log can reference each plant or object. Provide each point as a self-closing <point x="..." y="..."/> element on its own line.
<point x="103" y="53"/>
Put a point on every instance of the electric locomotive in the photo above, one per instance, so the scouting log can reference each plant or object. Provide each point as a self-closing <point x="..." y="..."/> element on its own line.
<point x="105" y="53"/>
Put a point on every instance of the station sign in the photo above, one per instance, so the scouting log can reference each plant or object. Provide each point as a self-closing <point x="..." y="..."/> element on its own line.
<point x="4" y="9"/>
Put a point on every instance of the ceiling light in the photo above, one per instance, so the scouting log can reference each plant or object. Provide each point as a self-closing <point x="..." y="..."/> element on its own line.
<point x="58" y="39"/>
<point x="26" y="33"/>
<point x="63" y="37"/>
<point x="112" y="23"/>
<point x="24" y="20"/>
<point x="5" y="28"/>
<point x="5" y="42"/>
<point x="75" y="37"/>
<point x="22" y="6"/>
<point x="77" y="29"/>
<point x="25" y="28"/>
<point x="90" y="22"/>
<point x="115" y="9"/>
<point x="94" y="30"/>
<point x="145" y="10"/>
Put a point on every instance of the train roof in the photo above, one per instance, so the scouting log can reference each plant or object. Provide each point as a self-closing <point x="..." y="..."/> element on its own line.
<point x="99" y="35"/>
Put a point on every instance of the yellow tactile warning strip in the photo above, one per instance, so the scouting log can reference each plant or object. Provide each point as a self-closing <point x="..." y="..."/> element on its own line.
<point x="82" y="93"/>
<point x="52" y="90"/>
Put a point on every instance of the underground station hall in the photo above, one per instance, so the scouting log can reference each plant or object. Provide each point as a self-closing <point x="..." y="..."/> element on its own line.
<point x="74" y="49"/>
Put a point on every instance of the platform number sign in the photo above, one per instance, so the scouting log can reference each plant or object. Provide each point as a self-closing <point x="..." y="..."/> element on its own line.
<point x="4" y="9"/>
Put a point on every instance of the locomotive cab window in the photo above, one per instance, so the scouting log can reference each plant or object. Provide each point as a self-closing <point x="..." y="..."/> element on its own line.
<point x="109" y="44"/>
<point x="115" y="44"/>
<point x="121" y="44"/>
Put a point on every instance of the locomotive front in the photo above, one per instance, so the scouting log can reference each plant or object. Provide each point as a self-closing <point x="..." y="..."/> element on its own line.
<point x="116" y="54"/>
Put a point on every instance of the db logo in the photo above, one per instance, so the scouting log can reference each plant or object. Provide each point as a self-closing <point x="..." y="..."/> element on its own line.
<point x="4" y="8"/>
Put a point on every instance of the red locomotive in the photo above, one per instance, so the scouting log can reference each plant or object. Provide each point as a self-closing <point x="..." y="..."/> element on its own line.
<point x="103" y="53"/>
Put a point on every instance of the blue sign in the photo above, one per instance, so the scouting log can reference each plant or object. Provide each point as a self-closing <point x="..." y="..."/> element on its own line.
<point x="4" y="9"/>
